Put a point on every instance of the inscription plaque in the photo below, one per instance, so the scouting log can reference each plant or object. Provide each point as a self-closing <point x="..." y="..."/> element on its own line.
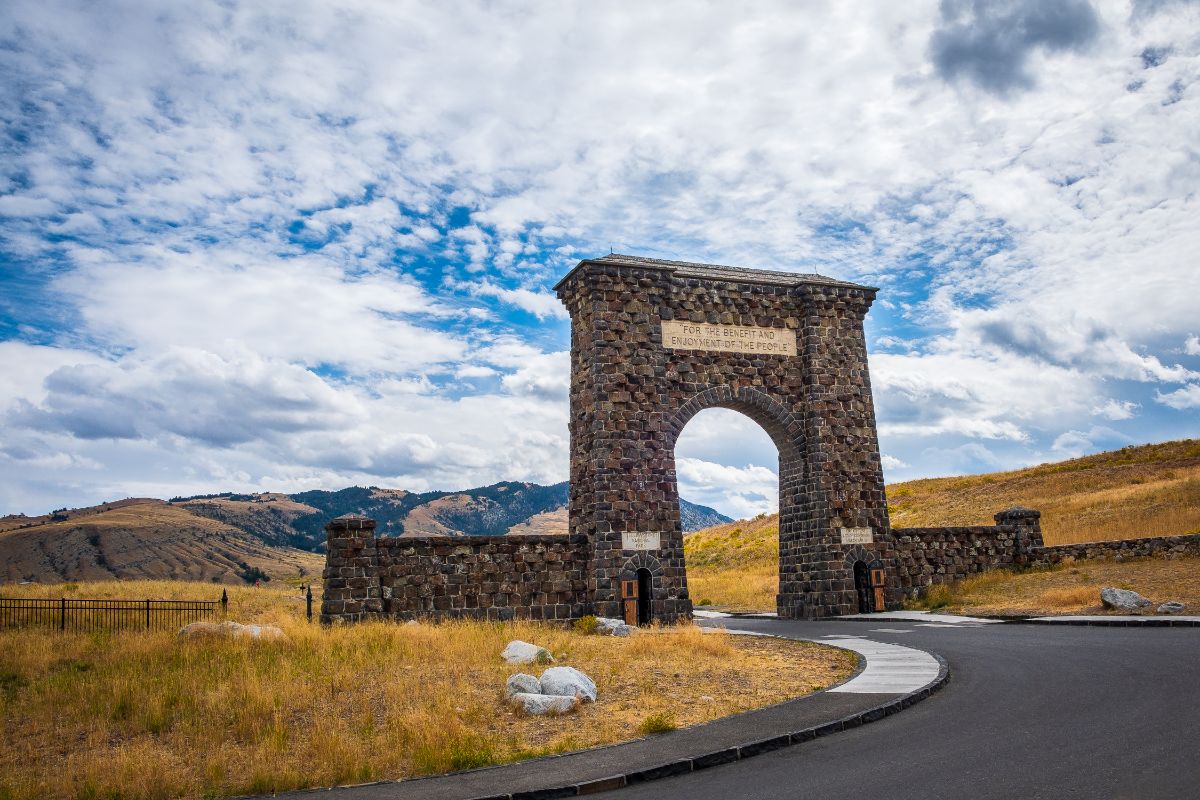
<point x="728" y="338"/>
<point x="857" y="536"/>
<point x="641" y="540"/>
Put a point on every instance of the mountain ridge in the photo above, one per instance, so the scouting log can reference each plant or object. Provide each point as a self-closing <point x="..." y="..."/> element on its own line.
<point x="232" y="536"/>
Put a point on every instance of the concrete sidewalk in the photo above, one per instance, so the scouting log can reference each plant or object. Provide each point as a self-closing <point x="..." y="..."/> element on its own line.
<point x="892" y="678"/>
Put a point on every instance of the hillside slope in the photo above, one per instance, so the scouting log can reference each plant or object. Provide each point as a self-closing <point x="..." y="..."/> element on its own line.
<point x="141" y="539"/>
<point x="229" y="537"/>
<point x="1149" y="490"/>
<point x="1135" y="492"/>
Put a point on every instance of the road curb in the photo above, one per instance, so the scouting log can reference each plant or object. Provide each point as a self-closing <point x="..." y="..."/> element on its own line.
<point x="736" y="751"/>
<point x="1149" y="622"/>
<point x="1096" y="622"/>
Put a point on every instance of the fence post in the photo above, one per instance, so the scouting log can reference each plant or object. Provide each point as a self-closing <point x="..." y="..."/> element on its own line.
<point x="147" y="615"/>
<point x="308" y="602"/>
<point x="62" y="614"/>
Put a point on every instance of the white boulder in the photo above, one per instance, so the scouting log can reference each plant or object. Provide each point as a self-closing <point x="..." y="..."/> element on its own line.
<point x="232" y="630"/>
<point x="568" y="682"/>
<point x="522" y="684"/>
<point x="1122" y="599"/>
<point x="608" y="626"/>
<point x="1171" y="607"/>
<point x="539" y="704"/>
<point x="518" y="652"/>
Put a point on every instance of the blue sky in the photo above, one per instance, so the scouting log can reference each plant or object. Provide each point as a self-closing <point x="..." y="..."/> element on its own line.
<point x="285" y="246"/>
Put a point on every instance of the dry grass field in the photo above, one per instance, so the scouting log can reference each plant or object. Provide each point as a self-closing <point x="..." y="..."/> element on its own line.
<point x="1135" y="492"/>
<point x="145" y="715"/>
<point x="1070" y="588"/>
<point x="735" y="566"/>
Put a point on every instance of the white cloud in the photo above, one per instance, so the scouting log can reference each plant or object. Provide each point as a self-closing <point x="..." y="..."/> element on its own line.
<point x="543" y="305"/>
<point x="288" y="201"/>
<point x="738" y="492"/>
<point x="1072" y="444"/>
<point x="891" y="462"/>
<point x="1116" y="409"/>
<point x="1180" y="399"/>
<point x="304" y="310"/>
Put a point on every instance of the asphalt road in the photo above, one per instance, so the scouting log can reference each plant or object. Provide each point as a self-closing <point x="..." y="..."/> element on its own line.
<point x="1030" y="712"/>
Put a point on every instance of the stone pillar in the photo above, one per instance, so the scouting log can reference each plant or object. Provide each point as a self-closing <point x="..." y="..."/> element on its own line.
<point x="351" y="574"/>
<point x="1027" y="533"/>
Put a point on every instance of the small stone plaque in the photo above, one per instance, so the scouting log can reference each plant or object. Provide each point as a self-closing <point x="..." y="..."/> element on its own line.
<point x="641" y="540"/>
<point x="857" y="536"/>
<point x="728" y="338"/>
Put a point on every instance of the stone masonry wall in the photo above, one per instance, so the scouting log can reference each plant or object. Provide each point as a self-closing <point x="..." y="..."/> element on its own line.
<point x="928" y="556"/>
<point x="484" y="577"/>
<point x="443" y="577"/>
<point x="1167" y="546"/>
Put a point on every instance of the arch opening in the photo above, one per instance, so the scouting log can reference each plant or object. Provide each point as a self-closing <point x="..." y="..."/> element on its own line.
<point x="727" y="461"/>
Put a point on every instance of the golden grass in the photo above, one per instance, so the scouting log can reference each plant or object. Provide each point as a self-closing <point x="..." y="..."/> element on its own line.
<point x="1132" y="493"/>
<point x="749" y="588"/>
<point x="1135" y="492"/>
<point x="145" y="715"/>
<point x="1072" y="588"/>
<point x="735" y="566"/>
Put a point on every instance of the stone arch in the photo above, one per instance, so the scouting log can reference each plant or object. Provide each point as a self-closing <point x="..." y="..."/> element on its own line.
<point x="785" y="430"/>
<point x="654" y="342"/>
<point x="860" y="553"/>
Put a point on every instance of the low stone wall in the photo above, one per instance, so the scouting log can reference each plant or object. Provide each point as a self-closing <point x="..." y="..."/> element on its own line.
<point x="928" y="556"/>
<point x="445" y="577"/>
<point x="484" y="577"/>
<point x="1125" y="548"/>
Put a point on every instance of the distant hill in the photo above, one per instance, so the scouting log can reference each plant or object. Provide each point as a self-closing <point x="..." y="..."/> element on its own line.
<point x="230" y="537"/>
<point x="141" y="538"/>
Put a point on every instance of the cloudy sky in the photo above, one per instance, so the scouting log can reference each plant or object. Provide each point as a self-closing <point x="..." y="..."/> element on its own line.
<point x="284" y="246"/>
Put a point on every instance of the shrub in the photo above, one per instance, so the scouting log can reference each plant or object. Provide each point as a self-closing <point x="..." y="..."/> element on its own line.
<point x="658" y="722"/>
<point x="586" y="624"/>
<point x="937" y="596"/>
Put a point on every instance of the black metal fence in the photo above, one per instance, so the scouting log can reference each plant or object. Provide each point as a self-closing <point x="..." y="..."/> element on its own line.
<point x="88" y="615"/>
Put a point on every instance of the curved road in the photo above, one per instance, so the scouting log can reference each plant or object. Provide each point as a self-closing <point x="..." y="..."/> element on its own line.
<point x="1030" y="712"/>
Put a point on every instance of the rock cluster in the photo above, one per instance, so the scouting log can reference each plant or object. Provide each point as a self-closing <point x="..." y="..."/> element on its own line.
<point x="559" y="690"/>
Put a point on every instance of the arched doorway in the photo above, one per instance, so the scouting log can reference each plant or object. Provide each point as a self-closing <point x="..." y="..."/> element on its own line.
<point x="645" y="583"/>
<point x="862" y="587"/>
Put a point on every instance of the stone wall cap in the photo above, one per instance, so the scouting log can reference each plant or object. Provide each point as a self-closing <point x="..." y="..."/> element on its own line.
<point x="716" y="272"/>
<point x="1018" y="512"/>
<point x="351" y="521"/>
